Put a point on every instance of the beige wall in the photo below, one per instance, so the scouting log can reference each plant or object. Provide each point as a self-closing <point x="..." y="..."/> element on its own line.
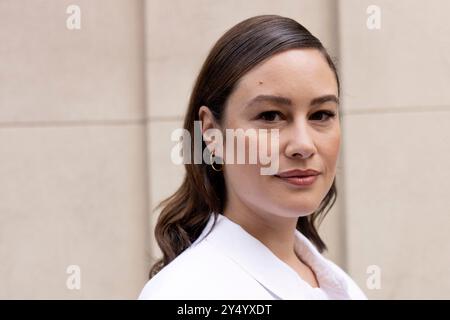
<point x="86" y="117"/>
<point x="397" y="145"/>
<point x="72" y="149"/>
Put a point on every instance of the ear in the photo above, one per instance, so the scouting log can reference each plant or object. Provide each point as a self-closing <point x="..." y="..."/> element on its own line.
<point x="208" y="121"/>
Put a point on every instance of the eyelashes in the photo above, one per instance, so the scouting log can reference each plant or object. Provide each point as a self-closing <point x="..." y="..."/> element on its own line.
<point x="329" y="114"/>
<point x="269" y="115"/>
<point x="321" y="116"/>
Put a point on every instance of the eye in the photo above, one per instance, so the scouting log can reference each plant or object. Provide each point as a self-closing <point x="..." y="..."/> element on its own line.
<point x="270" y="116"/>
<point x="322" y="115"/>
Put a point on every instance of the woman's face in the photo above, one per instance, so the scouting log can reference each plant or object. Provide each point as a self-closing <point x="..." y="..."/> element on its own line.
<point x="306" y="114"/>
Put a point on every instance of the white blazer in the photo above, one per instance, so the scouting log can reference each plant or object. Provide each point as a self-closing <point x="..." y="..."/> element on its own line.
<point x="229" y="263"/>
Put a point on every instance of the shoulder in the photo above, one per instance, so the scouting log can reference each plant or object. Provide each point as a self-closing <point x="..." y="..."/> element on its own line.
<point x="200" y="272"/>
<point x="353" y="289"/>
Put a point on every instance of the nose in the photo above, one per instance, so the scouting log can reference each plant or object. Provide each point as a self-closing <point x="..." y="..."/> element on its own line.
<point x="300" y="141"/>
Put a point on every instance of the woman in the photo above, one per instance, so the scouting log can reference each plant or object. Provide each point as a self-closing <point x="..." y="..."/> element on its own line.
<point x="230" y="232"/>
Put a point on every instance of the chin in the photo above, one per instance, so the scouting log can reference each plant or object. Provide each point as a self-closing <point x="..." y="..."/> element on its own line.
<point x="303" y="205"/>
<point x="296" y="210"/>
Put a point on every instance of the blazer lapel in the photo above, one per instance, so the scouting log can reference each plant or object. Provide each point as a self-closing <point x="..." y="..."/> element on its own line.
<point x="254" y="258"/>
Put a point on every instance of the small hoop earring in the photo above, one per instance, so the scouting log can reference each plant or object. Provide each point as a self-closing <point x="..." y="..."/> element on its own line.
<point x="211" y="155"/>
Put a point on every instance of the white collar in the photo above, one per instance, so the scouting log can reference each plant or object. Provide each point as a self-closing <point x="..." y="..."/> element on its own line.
<point x="265" y="267"/>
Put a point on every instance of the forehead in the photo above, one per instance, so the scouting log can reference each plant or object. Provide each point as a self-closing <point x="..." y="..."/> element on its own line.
<point x="299" y="74"/>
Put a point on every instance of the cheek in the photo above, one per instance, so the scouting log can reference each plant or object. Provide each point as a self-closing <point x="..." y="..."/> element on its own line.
<point x="245" y="178"/>
<point x="244" y="181"/>
<point x="329" y="147"/>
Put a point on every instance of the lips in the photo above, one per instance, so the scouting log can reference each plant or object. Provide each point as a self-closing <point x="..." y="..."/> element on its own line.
<point x="298" y="173"/>
<point x="298" y="177"/>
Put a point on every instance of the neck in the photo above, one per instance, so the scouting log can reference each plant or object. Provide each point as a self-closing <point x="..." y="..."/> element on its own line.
<point x="275" y="232"/>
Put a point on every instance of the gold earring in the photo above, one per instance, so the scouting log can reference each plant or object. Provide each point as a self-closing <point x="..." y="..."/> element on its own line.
<point x="211" y="155"/>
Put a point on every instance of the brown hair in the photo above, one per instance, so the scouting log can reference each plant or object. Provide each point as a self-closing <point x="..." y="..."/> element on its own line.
<point x="202" y="192"/>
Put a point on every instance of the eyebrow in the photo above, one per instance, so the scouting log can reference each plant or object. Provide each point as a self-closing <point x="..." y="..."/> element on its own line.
<point x="279" y="100"/>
